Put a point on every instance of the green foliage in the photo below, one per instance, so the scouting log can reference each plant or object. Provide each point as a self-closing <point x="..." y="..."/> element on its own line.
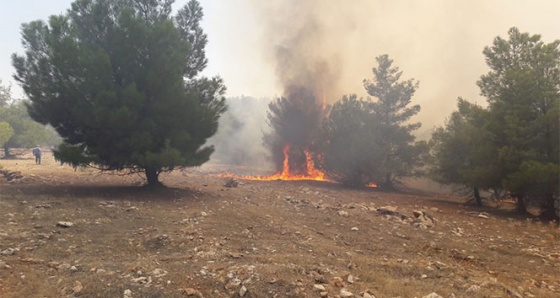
<point x="6" y="132"/>
<point x="5" y="95"/>
<point x="463" y="151"/>
<point x="514" y="144"/>
<point x="350" y="147"/>
<point x="117" y="80"/>
<point x="524" y="96"/>
<point x="365" y="141"/>
<point x="26" y="132"/>
<point x="401" y="155"/>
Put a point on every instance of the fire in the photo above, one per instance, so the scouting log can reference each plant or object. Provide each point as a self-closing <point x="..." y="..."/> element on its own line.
<point x="312" y="174"/>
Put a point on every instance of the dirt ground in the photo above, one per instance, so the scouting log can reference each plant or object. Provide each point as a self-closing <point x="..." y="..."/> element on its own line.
<point x="66" y="233"/>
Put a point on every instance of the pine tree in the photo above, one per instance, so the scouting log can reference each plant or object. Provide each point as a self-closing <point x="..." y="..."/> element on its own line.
<point x="524" y="101"/>
<point x="118" y="80"/>
<point x="401" y="155"/>
<point x="463" y="151"/>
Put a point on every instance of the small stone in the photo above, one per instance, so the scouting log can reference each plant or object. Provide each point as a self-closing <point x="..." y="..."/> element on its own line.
<point x="192" y="292"/>
<point x="344" y="293"/>
<point x="423" y="276"/>
<point x="432" y="295"/>
<point x="243" y="291"/>
<point x="9" y="251"/>
<point x="203" y="213"/>
<point x="319" y="288"/>
<point x="231" y="183"/>
<point x="78" y="287"/>
<point x="64" y="224"/>
<point x="338" y="282"/>
<point x="440" y="265"/>
<point x="318" y="277"/>
<point x="127" y="293"/>
<point x="354" y="229"/>
<point x="343" y="213"/>
<point x="473" y="288"/>
<point x="368" y="294"/>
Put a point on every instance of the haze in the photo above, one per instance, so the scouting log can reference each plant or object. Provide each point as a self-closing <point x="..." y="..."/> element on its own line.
<point x="438" y="42"/>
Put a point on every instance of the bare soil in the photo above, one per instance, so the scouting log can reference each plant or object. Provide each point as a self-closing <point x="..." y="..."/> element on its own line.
<point x="66" y="233"/>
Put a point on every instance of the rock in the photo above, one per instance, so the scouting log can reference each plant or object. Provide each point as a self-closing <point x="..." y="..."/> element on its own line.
<point x="457" y="232"/>
<point x="78" y="287"/>
<point x="9" y="251"/>
<point x="64" y="224"/>
<point x="318" y="288"/>
<point x="127" y="293"/>
<point x="318" y="277"/>
<point x="367" y="294"/>
<point x="344" y="293"/>
<point x="242" y="291"/>
<point x="159" y="272"/>
<point x="232" y="183"/>
<point x="439" y="265"/>
<point x="387" y="210"/>
<point x="193" y="293"/>
<point x="354" y="229"/>
<point x="343" y="213"/>
<point x="63" y="267"/>
<point x="473" y="288"/>
<point x="423" y="219"/>
<point x="338" y="282"/>
<point x="432" y="295"/>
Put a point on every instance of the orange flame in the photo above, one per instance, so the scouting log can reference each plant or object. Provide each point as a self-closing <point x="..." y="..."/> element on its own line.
<point x="313" y="174"/>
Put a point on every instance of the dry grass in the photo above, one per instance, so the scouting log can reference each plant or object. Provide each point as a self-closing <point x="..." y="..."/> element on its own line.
<point x="276" y="238"/>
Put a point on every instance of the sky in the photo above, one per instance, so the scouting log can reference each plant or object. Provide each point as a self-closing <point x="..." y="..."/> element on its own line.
<point x="437" y="42"/>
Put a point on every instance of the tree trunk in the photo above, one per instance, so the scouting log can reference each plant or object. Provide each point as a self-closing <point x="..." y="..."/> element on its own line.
<point x="520" y="205"/>
<point x="477" y="197"/>
<point x="549" y="209"/>
<point x="152" y="177"/>
<point x="388" y="181"/>
<point x="7" y="153"/>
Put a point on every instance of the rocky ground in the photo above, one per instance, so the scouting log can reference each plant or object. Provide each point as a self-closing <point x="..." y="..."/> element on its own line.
<point x="66" y="233"/>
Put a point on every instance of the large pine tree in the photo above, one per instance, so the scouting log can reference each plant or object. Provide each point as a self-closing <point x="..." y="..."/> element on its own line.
<point x="391" y="106"/>
<point x="118" y="80"/>
<point x="523" y="93"/>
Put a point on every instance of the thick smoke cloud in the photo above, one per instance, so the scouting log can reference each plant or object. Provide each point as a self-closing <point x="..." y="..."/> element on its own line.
<point x="331" y="46"/>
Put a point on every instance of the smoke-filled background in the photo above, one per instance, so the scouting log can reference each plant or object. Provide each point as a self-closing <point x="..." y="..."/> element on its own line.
<point x="330" y="46"/>
<point x="256" y="45"/>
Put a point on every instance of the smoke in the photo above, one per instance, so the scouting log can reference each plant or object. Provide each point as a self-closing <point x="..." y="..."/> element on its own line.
<point x="304" y="44"/>
<point x="238" y="140"/>
<point x="329" y="46"/>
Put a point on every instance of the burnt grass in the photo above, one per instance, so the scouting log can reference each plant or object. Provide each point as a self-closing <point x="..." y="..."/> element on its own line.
<point x="198" y="238"/>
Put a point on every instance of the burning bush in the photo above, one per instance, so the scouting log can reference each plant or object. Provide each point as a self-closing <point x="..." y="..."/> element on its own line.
<point x="294" y="120"/>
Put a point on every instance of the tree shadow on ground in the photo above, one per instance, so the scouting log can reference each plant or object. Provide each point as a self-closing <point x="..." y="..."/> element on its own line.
<point x="108" y="192"/>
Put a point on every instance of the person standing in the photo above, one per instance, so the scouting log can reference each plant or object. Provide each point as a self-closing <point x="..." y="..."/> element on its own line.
<point x="37" y="154"/>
